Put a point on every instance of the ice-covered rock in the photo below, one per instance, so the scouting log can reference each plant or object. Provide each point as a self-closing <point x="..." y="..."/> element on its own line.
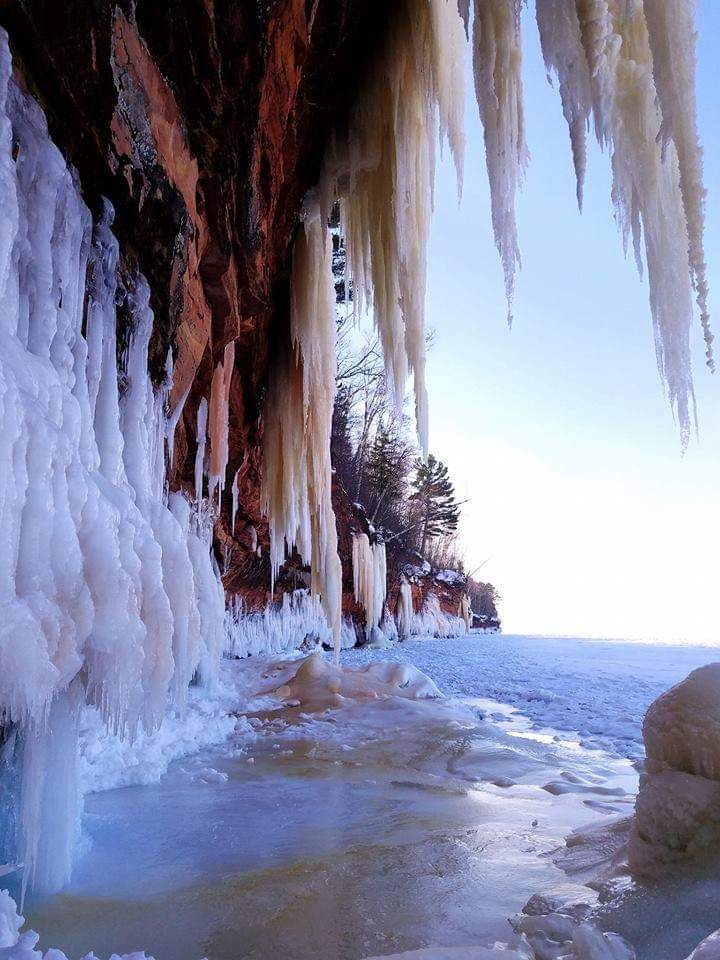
<point x="677" y="812"/>
<point x="709" y="949"/>
<point x="682" y="727"/>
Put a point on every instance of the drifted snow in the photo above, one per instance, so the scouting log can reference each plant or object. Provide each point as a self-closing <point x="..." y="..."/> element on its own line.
<point x="709" y="949"/>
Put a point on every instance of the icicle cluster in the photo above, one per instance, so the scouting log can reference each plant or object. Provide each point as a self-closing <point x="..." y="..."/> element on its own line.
<point x="297" y="474"/>
<point x="109" y="595"/>
<point x="383" y="173"/>
<point x="630" y="66"/>
<point x="294" y="624"/>
<point x="370" y="579"/>
<point x="432" y="621"/>
<point x="497" y="59"/>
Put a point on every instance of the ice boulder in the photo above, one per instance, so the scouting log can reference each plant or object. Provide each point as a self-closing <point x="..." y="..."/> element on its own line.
<point x="677" y="812"/>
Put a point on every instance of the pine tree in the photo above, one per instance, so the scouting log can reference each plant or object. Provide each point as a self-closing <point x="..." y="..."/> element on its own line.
<point x="435" y="496"/>
<point x="388" y="464"/>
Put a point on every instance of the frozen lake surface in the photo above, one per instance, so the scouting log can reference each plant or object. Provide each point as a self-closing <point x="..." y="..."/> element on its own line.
<point x="388" y="826"/>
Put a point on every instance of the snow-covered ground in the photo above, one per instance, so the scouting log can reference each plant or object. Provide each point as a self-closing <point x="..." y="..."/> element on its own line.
<point x="284" y="818"/>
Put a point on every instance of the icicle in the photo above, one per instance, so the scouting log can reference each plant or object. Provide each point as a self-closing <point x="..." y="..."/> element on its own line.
<point x="235" y="498"/>
<point x="563" y="52"/>
<point x="370" y="579"/>
<point x="672" y="37"/>
<point x="219" y="421"/>
<point x="172" y="423"/>
<point x="202" y="417"/>
<point x="384" y="174"/>
<point x="497" y="60"/>
<point x="296" y="483"/>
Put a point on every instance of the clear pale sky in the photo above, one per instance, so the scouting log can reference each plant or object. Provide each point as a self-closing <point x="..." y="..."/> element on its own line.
<point x="558" y="430"/>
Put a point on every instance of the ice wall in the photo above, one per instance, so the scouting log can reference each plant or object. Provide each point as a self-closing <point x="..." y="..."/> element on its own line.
<point x="370" y="579"/>
<point x="109" y="593"/>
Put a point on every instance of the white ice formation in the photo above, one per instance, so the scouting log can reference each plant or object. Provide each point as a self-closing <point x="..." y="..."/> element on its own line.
<point x="432" y="621"/>
<point x="404" y="610"/>
<point x="370" y="580"/>
<point x="110" y="595"/>
<point x="297" y="475"/>
<point x="677" y="812"/>
<point x="298" y="621"/>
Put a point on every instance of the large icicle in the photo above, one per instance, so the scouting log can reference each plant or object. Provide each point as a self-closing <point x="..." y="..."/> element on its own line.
<point x="497" y="61"/>
<point x="219" y="420"/>
<point x="384" y="174"/>
<point x="370" y="579"/>
<point x="640" y="61"/>
<point x="671" y="32"/>
<point x="296" y="485"/>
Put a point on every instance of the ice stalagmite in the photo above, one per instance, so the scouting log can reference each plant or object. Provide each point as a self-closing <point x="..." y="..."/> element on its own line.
<point x="370" y="579"/>
<point x="497" y="56"/>
<point x="108" y="597"/>
<point x="296" y="484"/>
<point x="404" y="611"/>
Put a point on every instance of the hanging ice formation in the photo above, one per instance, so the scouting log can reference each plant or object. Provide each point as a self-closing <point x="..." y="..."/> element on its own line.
<point x="297" y="476"/>
<point x="630" y="66"/>
<point x="404" y="611"/>
<point x="370" y="580"/>
<point x="109" y="595"/>
<point x="465" y="611"/>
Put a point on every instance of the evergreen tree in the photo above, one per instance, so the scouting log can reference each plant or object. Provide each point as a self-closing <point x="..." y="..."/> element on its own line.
<point x="388" y="464"/>
<point x="434" y="495"/>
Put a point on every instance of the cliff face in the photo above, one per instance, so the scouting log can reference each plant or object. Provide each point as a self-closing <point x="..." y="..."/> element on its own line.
<point x="204" y="122"/>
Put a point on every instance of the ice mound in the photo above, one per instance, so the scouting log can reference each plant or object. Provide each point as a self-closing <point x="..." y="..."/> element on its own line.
<point x="21" y="946"/>
<point x="315" y="684"/>
<point x="677" y="812"/>
<point x="682" y="727"/>
<point x="709" y="949"/>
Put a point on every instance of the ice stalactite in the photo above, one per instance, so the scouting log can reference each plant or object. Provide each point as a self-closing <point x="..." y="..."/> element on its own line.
<point x="432" y="621"/>
<point x="497" y="62"/>
<point x="107" y="598"/>
<point x="404" y="610"/>
<point x="202" y="419"/>
<point x="563" y="52"/>
<point x="370" y="580"/>
<point x="637" y="63"/>
<point x="383" y="173"/>
<point x="219" y="421"/>
<point x="235" y="500"/>
<point x="672" y="37"/>
<point x="297" y="475"/>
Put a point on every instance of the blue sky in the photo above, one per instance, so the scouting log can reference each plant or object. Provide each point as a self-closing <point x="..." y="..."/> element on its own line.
<point x="558" y="431"/>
